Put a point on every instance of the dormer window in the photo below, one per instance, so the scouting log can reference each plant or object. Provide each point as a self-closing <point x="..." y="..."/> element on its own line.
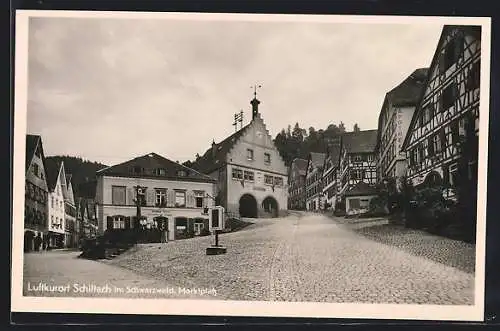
<point x="250" y="154"/>
<point x="138" y="170"/>
<point x="160" y="172"/>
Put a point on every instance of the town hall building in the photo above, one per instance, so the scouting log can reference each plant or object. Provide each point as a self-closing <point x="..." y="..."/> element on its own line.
<point x="251" y="175"/>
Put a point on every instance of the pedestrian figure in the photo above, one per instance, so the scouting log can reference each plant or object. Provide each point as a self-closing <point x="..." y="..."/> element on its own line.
<point x="38" y="242"/>
<point x="45" y="243"/>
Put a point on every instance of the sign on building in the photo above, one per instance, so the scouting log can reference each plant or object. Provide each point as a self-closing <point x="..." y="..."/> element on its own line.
<point x="216" y="218"/>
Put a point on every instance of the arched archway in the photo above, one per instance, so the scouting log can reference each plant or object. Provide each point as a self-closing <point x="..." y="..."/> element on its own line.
<point x="270" y="205"/>
<point x="248" y="206"/>
<point x="433" y="180"/>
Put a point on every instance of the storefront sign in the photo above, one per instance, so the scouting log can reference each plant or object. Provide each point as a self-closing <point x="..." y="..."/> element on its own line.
<point x="257" y="188"/>
<point x="160" y="212"/>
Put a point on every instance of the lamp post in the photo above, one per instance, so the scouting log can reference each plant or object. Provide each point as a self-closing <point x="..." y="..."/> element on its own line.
<point x="386" y="191"/>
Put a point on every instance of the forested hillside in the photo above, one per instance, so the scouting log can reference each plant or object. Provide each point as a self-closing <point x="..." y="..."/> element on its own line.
<point x="82" y="171"/>
<point x="299" y="142"/>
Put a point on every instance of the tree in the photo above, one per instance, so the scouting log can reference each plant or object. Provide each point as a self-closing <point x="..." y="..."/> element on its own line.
<point x="188" y="164"/>
<point x="342" y="127"/>
<point x="356" y="128"/>
<point x="466" y="187"/>
<point x="297" y="133"/>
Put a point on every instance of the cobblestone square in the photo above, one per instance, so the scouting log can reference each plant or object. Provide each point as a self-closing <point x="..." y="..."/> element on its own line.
<point x="301" y="257"/>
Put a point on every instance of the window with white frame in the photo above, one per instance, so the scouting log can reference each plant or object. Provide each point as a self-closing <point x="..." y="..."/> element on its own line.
<point x="249" y="176"/>
<point x="180" y="198"/>
<point x="250" y="154"/>
<point x="268" y="180"/>
<point x="237" y="173"/>
<point x="199" y="196"/>
<point x="160" y="197"/>
<point x="278" y="181"/>
<point x="118" y="222"/>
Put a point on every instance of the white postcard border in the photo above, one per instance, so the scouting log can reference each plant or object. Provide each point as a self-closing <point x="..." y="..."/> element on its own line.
<point x="240" y="308"/>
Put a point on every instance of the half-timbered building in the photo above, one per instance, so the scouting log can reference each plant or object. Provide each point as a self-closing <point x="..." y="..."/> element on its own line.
<point x="36" y="193"/>
<point x="331" y="176"/>
<point x="394" y="119"/>
<point x="357" y="169"/>
<point x="296" y="184"/>
<point x="314" y="179"/>
<point x="447" y="118"/>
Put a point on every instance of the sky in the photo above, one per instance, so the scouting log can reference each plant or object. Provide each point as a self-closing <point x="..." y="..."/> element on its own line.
<point x="111" y="89"/>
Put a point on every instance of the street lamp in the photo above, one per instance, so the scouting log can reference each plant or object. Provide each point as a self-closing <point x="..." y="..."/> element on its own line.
<point x="386" y="191"/>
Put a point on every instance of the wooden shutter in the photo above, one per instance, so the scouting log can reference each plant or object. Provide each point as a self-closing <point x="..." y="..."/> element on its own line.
<point x="150" y="197"/>
<point x="190" y="202"/>
<point x="130" y="196"/>
<point x="109" y="220"/>
<point x="170" y="198"/>
<point x="127" y="222"/>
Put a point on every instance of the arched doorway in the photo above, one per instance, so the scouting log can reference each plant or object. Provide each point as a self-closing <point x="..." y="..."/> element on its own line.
<point x="270" y="205"/>
<point x="248" y="206"/>
<point x="28" y="241"/>
<point x="433" y="180"/>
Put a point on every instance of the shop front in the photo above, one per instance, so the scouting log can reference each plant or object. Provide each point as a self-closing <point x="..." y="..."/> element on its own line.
<point x="157" y="225"/>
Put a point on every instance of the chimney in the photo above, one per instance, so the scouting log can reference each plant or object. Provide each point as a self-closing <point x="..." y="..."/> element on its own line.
<point x="255" y="107"/>
<point x="214" y="149"/>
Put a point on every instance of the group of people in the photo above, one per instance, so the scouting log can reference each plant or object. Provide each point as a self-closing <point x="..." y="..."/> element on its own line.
<point x="41" y="244"/>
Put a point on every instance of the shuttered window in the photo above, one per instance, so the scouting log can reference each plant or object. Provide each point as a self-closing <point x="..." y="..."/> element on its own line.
<point x="118" y="195"/>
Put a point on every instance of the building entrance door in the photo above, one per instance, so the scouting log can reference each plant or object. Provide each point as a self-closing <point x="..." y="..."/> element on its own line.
<point x="248" y="206"/>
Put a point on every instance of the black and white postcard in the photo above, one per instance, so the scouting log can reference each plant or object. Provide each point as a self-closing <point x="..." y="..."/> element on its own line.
<point x="250" y="165"/>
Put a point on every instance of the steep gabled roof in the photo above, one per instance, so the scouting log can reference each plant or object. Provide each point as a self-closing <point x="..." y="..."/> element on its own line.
<point x="406" y="93"/>
<point x="317" y="159"/>
<point x="149" y="163"/>
<point x="52" y="169"/>
<point x="31" y="144"/>
<point x="333" y="153"/>
<point x="473" y="30"/>
<point x="361" y="188"/>
<point x="360" y="142"/>
<point x="215" y="156"/>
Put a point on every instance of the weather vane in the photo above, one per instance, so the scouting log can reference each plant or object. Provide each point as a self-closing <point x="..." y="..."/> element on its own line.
<point x="255" y="87"/>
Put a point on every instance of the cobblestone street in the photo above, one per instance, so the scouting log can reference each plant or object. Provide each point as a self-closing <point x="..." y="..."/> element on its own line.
<point x="302" y="257"/>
